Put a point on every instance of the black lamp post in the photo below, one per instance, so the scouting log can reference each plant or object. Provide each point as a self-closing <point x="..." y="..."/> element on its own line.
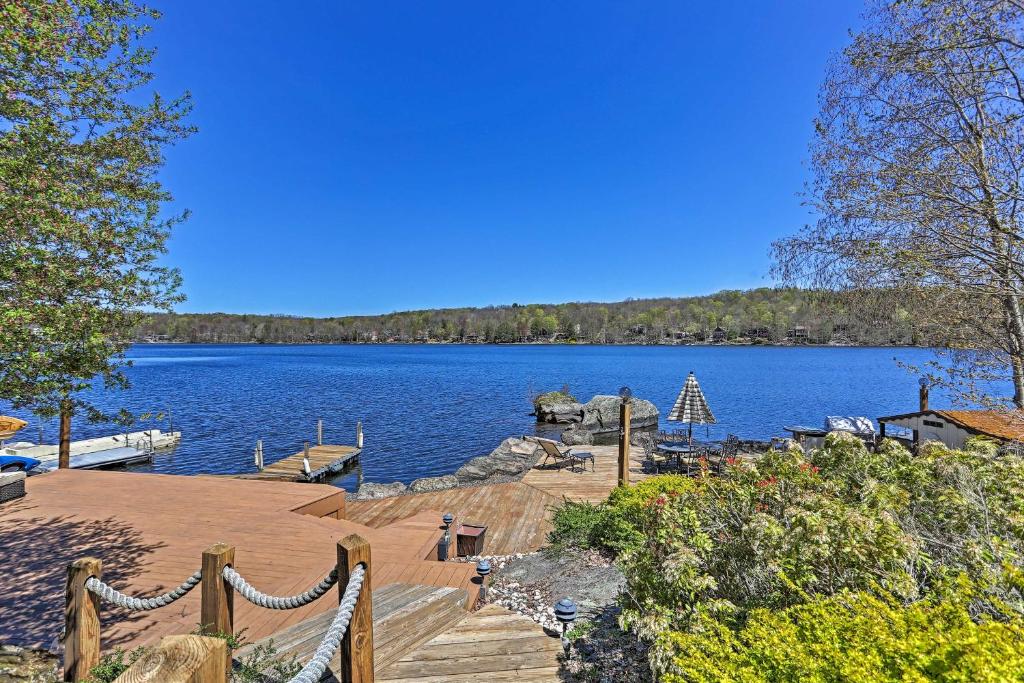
<point x="446" y="539"/>
<point x="565" y="612"/>
<point x="483" y="569"/>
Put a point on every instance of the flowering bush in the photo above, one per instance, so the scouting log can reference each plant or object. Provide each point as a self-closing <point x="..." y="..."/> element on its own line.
<point x="790" y="532"/>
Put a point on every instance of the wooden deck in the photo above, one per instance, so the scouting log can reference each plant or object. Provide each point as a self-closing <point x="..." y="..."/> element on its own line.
<point x="492" y="644"/>
<point x="517" y="514"/>
<point x="589" y="485"/>
<point x="150" y="530"/>
<point x="324" y="461"/>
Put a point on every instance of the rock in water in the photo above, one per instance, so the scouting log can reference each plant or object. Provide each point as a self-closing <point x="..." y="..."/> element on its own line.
<point x="557" y="407"/>
<point x="448" y="481"/>
<point x="601" y="413"/>
<point x="560" y="413"/>
<point x="373" y="491"/>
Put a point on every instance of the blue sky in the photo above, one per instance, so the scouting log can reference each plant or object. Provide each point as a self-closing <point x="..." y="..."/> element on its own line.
<point x="379" y="156"/>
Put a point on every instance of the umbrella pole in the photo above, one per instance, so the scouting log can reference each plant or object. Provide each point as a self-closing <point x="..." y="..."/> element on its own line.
<point x="689" y="437"/>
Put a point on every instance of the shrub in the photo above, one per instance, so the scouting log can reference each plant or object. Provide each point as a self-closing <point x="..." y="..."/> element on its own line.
<point x="764" y="535"/>
<point x="113" y="664"/>
<point x="772" y="545"/>
<point x="575" y="525"/>
<point x="847" y="637"/>
<point x="615" y="524"/>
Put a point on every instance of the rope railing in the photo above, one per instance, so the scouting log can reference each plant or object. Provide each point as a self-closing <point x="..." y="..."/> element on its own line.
<point x="350" y="628"/>
<point x="142" y="604"/>
<point x="250" y="593"/>
<point x="314" y="669"/>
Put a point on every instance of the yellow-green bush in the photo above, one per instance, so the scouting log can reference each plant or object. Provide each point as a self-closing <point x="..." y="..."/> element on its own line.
<point x="857" y="637"/>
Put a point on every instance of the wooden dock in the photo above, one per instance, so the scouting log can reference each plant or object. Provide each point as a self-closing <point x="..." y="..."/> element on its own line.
<point x="324" y="461"/>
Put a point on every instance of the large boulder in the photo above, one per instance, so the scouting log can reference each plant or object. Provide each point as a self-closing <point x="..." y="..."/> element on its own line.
<point x="577" y="436"/>
<point x="601" y="414"/>
<point x="448" y="481"/>
<point x="557" y="407"/>
<point x="560" y="413"/>
<point x="476" y="469"/>
<point x="512" y="457"/>
<point x="373" y="491"/>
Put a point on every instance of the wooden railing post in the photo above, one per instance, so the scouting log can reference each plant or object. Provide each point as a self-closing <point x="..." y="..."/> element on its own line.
<point x="357" y="645"/>
<point x="81" y="620"/>
<point x="180" y="659"/>
<point x="217" y="612"/>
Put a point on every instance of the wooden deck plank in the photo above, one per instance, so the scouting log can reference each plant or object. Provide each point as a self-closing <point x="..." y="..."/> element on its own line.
<point x="493" y="644"/>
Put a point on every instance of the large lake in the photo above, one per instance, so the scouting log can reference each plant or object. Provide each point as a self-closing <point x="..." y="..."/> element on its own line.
<point x="426" y="409"/>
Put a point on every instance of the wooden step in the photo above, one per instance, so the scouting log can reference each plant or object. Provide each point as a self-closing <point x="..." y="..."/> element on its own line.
<point x="404" y="617"/>
<point x="492" y="644"/>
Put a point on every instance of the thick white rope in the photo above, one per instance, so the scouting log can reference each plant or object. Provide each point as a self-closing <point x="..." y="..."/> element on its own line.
<point x="314" y="669"/>
<point x="140" y="604"/>
<point x="274" y="602"/>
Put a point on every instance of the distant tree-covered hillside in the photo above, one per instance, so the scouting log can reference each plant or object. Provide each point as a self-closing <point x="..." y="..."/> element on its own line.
<point x="759" y="316"/>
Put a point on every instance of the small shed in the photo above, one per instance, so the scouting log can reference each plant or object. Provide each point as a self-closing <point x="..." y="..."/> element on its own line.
<point x="954" y="427"/>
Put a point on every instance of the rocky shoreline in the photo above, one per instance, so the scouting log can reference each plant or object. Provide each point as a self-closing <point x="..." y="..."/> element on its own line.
<point x="516" y="456"/>
<point x="509" y="462"/>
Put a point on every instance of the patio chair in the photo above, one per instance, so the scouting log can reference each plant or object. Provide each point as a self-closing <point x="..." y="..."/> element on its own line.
<point x="567" y="456"/>
<point x="653" y="458"/>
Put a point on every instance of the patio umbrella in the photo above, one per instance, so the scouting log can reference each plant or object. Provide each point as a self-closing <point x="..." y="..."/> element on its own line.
<point x="691" y="406"/>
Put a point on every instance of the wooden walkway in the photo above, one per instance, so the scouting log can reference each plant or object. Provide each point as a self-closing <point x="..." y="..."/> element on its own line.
<point x="492" y="644"/>
<point x="323" y="461"/>
<point x="150" y="531"/>
<point x="404" y="617"/>
<point x="517" y="514"/>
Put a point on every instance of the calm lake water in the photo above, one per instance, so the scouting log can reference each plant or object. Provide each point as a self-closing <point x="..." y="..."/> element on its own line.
<point x="426" y="409"/>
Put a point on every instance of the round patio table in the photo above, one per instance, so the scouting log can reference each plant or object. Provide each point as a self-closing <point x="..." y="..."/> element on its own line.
<point x="678" y="451"/>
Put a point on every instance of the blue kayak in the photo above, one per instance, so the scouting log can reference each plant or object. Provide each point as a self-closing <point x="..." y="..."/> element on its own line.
<point x="14" y="463"/>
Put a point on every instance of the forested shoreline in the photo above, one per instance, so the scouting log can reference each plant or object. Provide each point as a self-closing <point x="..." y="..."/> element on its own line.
<point x="762" y="316"/>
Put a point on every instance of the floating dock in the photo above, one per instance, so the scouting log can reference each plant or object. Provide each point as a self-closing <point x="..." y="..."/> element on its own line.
<point x="148" y="440"/>
<point x="324" y="460"/>
<point x="112" y="457"/>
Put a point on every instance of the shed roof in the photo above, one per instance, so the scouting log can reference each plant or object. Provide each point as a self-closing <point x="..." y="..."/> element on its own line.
<point x="1001" y="424"/>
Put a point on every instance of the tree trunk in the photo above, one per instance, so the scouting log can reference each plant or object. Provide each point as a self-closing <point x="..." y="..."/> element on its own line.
<point x="64" y="450"/>
<point x="1015" y="323"/>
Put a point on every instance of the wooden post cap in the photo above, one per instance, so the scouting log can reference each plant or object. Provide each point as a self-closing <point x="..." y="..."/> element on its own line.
<point x="180" y="659"/>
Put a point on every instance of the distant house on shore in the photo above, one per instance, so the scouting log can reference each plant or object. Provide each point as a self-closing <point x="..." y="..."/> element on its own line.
<point x="798" y="332"/>
<point x="718" y="335"/>
<point x="954" y="427"/>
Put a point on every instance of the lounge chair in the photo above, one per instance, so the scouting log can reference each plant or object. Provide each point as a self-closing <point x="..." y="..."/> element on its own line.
<point x="567" y="456"/>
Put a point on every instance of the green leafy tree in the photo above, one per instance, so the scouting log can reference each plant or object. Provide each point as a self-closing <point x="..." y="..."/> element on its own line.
<point x="81" y="227"/>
